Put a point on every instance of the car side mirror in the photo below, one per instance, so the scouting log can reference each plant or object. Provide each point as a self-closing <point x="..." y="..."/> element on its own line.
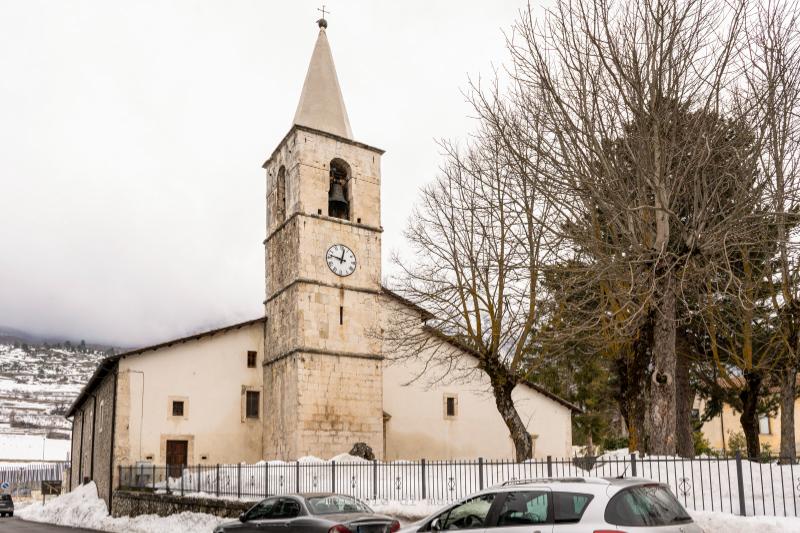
<point x="243" y="517"/>
<point x="436" y="525"/>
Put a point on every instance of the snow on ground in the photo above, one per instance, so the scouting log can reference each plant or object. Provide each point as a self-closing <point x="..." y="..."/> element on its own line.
<point x="726" y="523"/>
<point x="33" y="448"/>
<point x="83" y="508"/>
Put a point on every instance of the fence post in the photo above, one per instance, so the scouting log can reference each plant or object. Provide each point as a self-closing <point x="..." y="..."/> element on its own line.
<point x="740" y="483"/>
<point x="239" y="480"/>
<point x="374" y="479"/>
<point x="549" y="466"/>
<point x="633" y="464"/>
<point x="154" y="478"/>
<point x="183" y="470"/>
<point x="217" y="480"/>
<point x="266" y="479"/>
<point x="167" y="478"/>
<point x="297" y="476"/>
<point x="424" y="481"/>
<point x="333" y="476"/>
<point x="480" y="473"/>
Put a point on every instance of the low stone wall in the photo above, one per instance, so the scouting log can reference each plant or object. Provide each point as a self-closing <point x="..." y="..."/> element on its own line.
<point x="135" y="503"/>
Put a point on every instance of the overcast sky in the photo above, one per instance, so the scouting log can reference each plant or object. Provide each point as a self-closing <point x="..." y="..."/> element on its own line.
<point x="132" y="136"/>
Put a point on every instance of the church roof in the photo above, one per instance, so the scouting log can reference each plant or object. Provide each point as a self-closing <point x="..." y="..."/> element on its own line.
<point x="321" y="105"/>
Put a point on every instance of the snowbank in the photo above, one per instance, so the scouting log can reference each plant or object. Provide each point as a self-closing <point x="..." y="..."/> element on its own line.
<point x="82" y="508"/>
<point x="726" y="523"/>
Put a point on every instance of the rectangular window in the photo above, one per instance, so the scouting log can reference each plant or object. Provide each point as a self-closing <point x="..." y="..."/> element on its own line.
<point x="252" y="401"/>
<point x="251" y="359"/>
<point x="450" y="405"/>
<point x="177" y="408"/>
<point x="763" y="425"/>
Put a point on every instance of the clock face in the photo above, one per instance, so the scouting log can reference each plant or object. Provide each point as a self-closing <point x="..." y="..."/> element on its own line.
<point x="341" y="260"/>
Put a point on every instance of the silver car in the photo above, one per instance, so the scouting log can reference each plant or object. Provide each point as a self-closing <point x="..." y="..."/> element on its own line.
<point x="579" y="505"/>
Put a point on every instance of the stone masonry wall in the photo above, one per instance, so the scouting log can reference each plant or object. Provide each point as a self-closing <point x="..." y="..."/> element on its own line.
<point x="77" y="430"/>
<point x="280" y="401"/>
<point x="131" y="503"/>
<point x="103" y="437"/>
<point x="341" y="403"/>
<point x="91" y="440"/>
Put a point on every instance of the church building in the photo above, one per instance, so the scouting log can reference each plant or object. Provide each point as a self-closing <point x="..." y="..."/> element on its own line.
<point x="309" y="377"/>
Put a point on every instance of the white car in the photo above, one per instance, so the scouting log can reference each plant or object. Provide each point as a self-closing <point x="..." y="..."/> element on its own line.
<point x="575" y="505"/>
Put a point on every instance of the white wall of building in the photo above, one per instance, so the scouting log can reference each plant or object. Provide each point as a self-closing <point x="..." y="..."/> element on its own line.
<point x="210" y="374"/>
<point x="419" y="428"/>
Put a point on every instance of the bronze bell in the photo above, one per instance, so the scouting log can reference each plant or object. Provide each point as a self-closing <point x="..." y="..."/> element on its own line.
<point x="337" y="201"/>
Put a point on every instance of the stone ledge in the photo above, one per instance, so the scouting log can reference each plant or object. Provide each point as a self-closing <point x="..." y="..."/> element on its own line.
<point x="135" y="503"/>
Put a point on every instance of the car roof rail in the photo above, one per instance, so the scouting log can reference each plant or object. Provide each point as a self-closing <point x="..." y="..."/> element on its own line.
<point x="512" y="482"/>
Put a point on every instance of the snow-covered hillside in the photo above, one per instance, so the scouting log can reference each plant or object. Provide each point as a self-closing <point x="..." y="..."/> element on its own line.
<point x="37" y="384"/>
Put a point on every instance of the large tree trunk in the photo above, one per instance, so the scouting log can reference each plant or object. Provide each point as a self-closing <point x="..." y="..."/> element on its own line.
<point x="749" y="418"/>
<point x="502" y="387"/>
<point x="788" y="394"/>
<point x="632" y="399"/>
<point x="662" y="386"/>
<point x="683" y="402"/>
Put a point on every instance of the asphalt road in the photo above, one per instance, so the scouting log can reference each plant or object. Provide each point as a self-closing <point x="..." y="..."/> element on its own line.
<point x="15" y="525"/>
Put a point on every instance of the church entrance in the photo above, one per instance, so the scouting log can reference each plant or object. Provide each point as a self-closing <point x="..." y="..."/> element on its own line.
<point x="177" y="456"/>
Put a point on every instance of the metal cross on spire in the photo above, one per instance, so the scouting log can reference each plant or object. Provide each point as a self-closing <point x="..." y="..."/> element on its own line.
<point x="322" y="22"/>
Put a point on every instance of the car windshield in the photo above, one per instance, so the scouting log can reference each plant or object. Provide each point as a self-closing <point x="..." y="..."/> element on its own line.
<point x="336" y="504"/>
<point x="645" y="505"/>
<point x="5" y="497"/>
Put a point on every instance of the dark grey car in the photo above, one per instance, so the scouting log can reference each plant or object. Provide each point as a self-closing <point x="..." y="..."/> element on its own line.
<point x="310" y="513"/>
<point x="6" y="505"/>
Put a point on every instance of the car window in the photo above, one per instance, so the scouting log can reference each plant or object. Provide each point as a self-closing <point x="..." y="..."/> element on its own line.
<point x="645" y="505"/>
<point x="470" y="514"/>
<point x="568" y="507"/>
<point x="525" y="507"/>
<point x="286" y="508"/>
<point x="263" y="510"/>
<point x="335" y="503"/>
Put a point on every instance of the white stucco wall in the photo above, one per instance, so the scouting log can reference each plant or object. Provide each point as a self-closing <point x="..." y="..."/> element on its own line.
<point x="418" y="427"/>
<point x="210" y="374"/>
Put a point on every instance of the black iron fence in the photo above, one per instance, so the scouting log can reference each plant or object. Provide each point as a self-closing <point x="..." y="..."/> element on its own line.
<point x="763" y="486"/>
<point x="21" y="480"/>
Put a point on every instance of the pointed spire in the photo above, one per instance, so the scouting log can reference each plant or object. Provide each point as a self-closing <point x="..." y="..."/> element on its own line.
<point x="321" y="104"/>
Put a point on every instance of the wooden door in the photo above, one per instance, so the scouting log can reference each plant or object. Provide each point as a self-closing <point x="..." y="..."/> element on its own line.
<point x="177" y="456"/>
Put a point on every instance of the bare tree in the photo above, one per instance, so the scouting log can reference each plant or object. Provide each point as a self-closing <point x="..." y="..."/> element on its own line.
<point x="610" y="83"/>
<point x="476" y="268"/>
<point x="773" y="80"/>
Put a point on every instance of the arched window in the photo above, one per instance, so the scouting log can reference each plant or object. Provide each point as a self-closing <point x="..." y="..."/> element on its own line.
<point x="338" y="190"/>
<point x="280" y="200"/>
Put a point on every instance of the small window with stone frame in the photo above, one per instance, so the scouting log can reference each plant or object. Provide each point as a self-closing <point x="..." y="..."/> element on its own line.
<point x="251" y="358"/>
<point x="252" y="401"/>
<point x="177" y="408"/>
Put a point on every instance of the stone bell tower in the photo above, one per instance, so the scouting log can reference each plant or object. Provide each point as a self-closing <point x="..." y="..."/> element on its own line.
<point x="322" y="369"/>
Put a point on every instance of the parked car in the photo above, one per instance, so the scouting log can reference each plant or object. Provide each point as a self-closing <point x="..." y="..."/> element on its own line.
<point x="579" y="505"/>
<point x="311" y="513"/>
<point x="6" y="505"/>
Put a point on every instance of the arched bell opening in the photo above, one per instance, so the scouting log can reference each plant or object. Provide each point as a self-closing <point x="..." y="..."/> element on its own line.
<point x="338" y="190"/>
